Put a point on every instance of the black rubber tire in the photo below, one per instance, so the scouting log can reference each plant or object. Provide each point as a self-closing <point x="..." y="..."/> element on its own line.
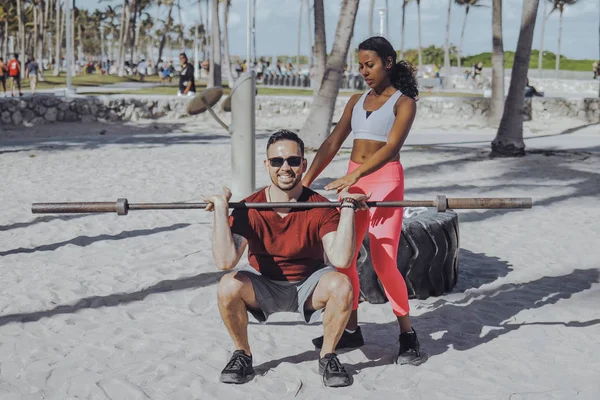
<point x="427" y="257"/>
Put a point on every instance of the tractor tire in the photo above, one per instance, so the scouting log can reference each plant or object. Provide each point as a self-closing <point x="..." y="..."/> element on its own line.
<point x="427" y="257"/>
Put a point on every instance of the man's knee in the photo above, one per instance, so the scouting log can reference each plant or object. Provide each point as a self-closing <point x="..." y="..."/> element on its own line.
<point x="340" y="287"/>
<point x="231" y="286"/>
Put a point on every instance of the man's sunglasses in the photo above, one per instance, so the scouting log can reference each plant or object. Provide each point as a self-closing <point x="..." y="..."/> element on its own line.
<point x="293" y="161"/>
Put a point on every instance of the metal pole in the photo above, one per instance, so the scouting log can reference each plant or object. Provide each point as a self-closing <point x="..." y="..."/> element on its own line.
<point x="122" y="206"/>
<point x="381" y="21"/>
<point x="69" y="58"/>
<point x="242" y="130"/>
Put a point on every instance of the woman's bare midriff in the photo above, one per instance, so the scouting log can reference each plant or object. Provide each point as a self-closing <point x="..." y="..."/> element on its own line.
<point x="363" y="149"/>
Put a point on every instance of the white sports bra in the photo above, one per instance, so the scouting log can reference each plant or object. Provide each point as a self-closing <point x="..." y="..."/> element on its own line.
<point x="374" y="125"/>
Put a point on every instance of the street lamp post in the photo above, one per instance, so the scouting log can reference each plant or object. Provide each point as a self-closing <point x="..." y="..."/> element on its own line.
<point x="381" y="22"/>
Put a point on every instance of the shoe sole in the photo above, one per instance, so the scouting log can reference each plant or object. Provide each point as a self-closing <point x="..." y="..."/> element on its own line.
<point x="338" y="382"/>
<point x="236" y="379"/>
<point x="341" y="347"/>
<point x="415" y="361"/>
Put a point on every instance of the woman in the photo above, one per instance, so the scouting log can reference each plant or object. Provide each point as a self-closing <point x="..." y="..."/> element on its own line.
<point x="380" y="120"/>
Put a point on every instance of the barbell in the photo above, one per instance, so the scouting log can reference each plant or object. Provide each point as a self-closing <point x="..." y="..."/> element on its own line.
<point x="122" y="206"/>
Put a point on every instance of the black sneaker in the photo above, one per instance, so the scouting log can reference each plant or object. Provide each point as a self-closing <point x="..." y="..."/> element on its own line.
<point x="410" y="350"/>
<point x="238" y="369"/>
<point x="347" y="341"/>
<point x="333" y="372"/>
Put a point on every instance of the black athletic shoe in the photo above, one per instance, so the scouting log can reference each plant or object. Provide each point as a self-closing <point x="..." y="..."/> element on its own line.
<point x="347" y="341"/>
<point x="410" y="350"/>
<point x="238" y="369"/>
<point x="333" y="372"/>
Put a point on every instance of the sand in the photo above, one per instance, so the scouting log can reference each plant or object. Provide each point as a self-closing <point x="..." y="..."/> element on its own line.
<point x="108" y="307"/>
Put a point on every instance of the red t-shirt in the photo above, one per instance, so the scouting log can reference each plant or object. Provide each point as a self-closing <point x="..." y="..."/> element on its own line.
<point x="14" y="67"/>
<point x="288" y="248"/>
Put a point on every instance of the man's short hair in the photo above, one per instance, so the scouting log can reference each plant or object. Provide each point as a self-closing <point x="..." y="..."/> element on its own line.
<point x="284" y="134"/>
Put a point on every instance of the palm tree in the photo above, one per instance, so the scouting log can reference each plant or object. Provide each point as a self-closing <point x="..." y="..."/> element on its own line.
<point x="404" y="3"/>
<point x="419" y="36"/>
<point x="227" y="57"/>
<point x="299" y="33"/>
<point x="214" y="73"/>
<point x="497" y="101"/>
<point x="21" y="32"/>
<point x="509" y="139"/>
<point x="320" y="50"/>
<point x="447" y="43"/>
<point x="168" y="22"/>
<point x="318" y="123"/>
<point x="58" y="34"/>
<point x="468" y="4"/>
<point x="560" y="5"/>
<point x="371" y="10"/>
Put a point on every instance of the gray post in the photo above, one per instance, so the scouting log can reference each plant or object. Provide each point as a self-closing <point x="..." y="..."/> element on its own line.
<point x="243" y="135"/>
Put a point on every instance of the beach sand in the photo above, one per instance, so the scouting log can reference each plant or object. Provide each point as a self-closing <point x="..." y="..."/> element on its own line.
<point x="108" y="307"/>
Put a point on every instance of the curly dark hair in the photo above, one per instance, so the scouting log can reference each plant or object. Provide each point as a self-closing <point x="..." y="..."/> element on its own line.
<point x="403" y="74"/>
<point x="284" y="134"/>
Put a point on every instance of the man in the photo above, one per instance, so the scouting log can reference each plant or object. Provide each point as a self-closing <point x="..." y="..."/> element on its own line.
<point x="14" y="72"/>
<point x="3" y="74"/>
<point x="285" y="248"/>
<point x="141" y="68"/>
<point x="31" y="72"/>
<point x="186" y="79"/>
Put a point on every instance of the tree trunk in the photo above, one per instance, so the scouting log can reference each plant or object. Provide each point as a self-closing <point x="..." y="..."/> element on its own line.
<point x="318" y="124"/>
<point x="371" y="10"/>
<point x="462" y="36"/>
<point x="5" y="44"/>
<point x="21" y="34"/>
<point x="403" y="25"/>
<point x="320" y="50"/>
<point x="58" y="28"/>
<point x="497" y="100"/>
<point x="419" y="36"/>
<point x="509" y="139"/>
<point x="227" y="58"/>
<point x="133" y="12"/>
<point x="36" y="28"/>
<point x="299" y="34"/>
<point x="163" y="39"/>
<point x="123" y="38"/>
<point x="541" y="51"/>
<point x="214" y="73"/>
<point x="310" y="41"/>
<point x="560" y="8"/>
<point x="447" y="43"/>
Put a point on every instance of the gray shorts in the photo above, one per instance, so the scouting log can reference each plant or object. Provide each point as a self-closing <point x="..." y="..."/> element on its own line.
<point x="282" y="296"/>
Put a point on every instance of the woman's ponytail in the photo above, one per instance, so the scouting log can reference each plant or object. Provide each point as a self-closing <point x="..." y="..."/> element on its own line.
<point x="405" y="80"/>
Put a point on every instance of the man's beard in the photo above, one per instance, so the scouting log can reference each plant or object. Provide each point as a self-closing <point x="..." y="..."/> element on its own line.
<point x="287" y="186"/>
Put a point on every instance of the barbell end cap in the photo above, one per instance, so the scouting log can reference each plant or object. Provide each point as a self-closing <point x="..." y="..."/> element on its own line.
<point x="441" y="203"/>
<point x="122" y="207"/>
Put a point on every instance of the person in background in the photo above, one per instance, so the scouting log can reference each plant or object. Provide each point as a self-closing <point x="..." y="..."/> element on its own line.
<point x="187" y="87"/>
<point x="31" y="72"/>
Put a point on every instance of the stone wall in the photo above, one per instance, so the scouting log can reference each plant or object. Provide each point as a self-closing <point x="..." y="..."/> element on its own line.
<point x="37" y="110"/>
<point x="559" y="87"/>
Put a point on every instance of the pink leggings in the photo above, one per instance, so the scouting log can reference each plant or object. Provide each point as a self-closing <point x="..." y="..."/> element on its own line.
<point x="384" y="226"/>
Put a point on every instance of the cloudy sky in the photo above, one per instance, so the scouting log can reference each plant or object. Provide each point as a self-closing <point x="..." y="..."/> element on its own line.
<point x="277" y="25"/>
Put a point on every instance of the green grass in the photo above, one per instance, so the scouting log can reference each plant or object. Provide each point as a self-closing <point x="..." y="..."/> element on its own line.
<point x="548" y="61"/>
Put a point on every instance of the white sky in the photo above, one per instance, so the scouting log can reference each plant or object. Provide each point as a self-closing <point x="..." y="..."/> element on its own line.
<point x="277" y="25"/>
